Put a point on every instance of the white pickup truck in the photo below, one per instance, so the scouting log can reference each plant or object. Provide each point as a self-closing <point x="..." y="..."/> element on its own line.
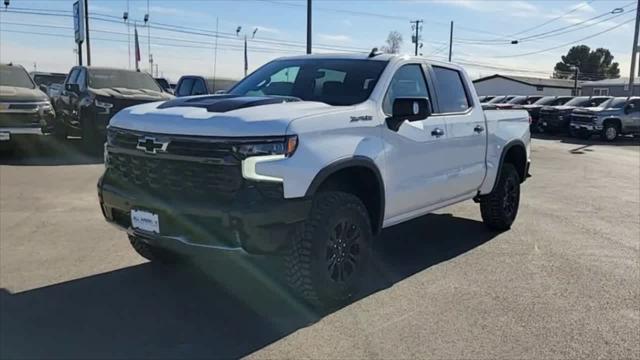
<point x="308" y="159"/>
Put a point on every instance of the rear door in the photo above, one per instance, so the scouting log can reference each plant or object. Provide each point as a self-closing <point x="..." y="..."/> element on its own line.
<point x="63" y="105"/>
<point x="632" y="120"/>
<point x="466" y="139"/>
<point x="416" y="163"/>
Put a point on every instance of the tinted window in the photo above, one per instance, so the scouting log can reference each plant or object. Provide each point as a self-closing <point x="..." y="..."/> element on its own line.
<point x="45" y="79"/>
<point x="164" y="84"/>
<point x="615" y="103"/>
<point x="73" y="76"/>
<point x="343" y="81"/>
<point x="199" y="88"/>
<point x="184" y="88"/>
<point x="561" y="101"/>
<point x="636" y="105"/>
<point x="594" y="102"/>
<point x="518" y="100"/>
<point x="15" y="76"/>
<point x="114" y="78"/>
<point x="452" y="96"/>
<point x="82" y="79"/>
<point x="497" y="99"/>
<point x="578" y="101"/>
<point x="408" y="81"/>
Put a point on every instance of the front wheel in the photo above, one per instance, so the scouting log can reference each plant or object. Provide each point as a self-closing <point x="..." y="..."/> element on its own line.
<point x="330" y="252"/>
<point x="500" y="207"/>
<point x="610" y="132"/>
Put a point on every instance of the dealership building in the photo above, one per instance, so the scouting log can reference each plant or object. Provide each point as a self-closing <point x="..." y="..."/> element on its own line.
<point x="522" y="85"/>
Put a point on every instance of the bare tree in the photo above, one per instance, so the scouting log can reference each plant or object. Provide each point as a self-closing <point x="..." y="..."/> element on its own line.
<point x="394" y="42"/>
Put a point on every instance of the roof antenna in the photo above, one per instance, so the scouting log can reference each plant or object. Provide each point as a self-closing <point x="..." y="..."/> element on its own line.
<point x="374" y="52"/>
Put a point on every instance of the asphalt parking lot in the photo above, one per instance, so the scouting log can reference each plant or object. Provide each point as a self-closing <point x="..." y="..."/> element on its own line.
<point x="563" y="283"/>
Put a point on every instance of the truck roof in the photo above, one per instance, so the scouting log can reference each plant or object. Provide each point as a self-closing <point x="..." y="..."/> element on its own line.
<point x="363" y="56"/>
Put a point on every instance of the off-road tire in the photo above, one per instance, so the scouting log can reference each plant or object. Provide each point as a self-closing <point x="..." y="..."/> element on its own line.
<point x="500" y="208"/>
<point x="318" y="242"/>
<point x="610" y="127"/>
<point x="153" y="253"/>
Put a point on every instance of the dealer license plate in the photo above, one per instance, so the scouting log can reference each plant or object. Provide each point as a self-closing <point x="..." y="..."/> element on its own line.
<point x="146" y="221"/>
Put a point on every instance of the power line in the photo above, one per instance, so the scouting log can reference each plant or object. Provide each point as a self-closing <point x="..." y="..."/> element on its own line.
<point x="553" y="19"/>
<point x="566" y="44"/>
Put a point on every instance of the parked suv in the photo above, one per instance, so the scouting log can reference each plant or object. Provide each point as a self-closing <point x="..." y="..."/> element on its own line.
<point x="620" y="115"/>
<point x="534" y="109"/>
<point x="44" y="80"/>
<point x="556" y="118"/>
<point x="92" y="95"/>
<point x="306" y="160"/>
<point x="24" y="109"/>
<point x="190" y="85"/>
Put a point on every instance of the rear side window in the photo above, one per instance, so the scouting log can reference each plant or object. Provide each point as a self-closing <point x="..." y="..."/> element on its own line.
<point x="452" y="96"/>
<point x="408" y="81"/>
<point x="199" y="87"/>
<point x="184" y="89"/>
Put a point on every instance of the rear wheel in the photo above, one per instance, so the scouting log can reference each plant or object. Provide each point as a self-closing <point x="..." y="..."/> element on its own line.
<point x="152" y="253"/>
<point x="330" y="252"/>
<point x="500" y="207"/>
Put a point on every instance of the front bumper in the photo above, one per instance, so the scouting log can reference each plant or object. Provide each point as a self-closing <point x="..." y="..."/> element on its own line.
<point x="6" y="133"/>
<point x="253" y="222"/>
<point x="585" y="127"/>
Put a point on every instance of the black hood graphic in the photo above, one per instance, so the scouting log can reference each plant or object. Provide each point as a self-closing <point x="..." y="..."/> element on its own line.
<point x="224" y="103"/>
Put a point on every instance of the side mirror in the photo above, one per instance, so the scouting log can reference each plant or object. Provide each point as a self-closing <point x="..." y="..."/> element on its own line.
<point x="75" y="88"/>
<point x="629" y="108"/>
<point x="43" y="88"/>
<point x="409" y="109"/>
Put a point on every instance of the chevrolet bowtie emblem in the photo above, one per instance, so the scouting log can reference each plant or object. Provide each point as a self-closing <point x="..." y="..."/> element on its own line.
<point x="151" y="145"/>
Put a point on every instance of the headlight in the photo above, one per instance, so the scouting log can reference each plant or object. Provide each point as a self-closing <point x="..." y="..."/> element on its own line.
<point x="105" y="106"/>
<point x="286" y="147"/>
<point x="45" y="107"/>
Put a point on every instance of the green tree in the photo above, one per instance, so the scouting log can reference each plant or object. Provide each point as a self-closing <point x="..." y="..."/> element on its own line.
<point x="592" y="64"/>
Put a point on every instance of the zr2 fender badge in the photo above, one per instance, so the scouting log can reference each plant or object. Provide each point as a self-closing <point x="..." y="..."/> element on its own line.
<point x="361" y="118"/>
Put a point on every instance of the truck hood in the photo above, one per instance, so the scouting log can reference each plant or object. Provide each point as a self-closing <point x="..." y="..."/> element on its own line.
<point x="250" y="117"/>
<point x="131" y="94"/>
<point x="597" y="111"/>
<point x="19" y="94"/>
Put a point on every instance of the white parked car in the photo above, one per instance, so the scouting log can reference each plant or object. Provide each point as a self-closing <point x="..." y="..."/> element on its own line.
<point x="308" y="159"/>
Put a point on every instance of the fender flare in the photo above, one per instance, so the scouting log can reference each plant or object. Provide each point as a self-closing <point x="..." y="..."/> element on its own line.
<point x="355" y="161"/>
<point x="505" y="149"/>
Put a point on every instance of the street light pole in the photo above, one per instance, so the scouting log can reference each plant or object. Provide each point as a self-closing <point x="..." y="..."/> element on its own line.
<point x="634" y="50"/>
<point x="86" y="20"/>
<point x="450" y="40"/>
<point x="308" y="26"/>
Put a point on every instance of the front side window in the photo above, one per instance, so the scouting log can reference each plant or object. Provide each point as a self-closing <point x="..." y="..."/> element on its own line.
<point x="331" y="81"/>
<point x="408" y="81"/>
<point x="184" y="89"/>
<point x="15" y="76"/>
<point x="73" y="76"/>
<point x="82" y="79"/>
<point x="452" y="96"/>
<point x="615" y="103"/>
<point x="114" y="78"/>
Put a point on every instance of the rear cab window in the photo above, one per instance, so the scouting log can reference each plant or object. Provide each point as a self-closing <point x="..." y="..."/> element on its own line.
<point x="451" y="91"/>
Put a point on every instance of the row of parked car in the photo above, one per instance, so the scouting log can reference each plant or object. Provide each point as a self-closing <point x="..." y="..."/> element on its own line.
<point x="81" y="102"/>
<point x="579" y="116"/>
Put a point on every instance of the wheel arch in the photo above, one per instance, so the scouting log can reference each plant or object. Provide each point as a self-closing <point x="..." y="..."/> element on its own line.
<point x="514" y="152"/>
<point x="344" y="174"/>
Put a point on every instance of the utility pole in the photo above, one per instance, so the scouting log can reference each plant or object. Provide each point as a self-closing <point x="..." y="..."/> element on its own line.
<point x="146" y="22"/>
<point x="417" y="27"/>
<point x="575" y="81"/>
<point x="450" y="40"/>
<point x="308" y="26"/>
<point x="80" y="53"/>
<point x="86" y="26"/>
<point x="215" y="55"/>
<point x="634" y="50"/>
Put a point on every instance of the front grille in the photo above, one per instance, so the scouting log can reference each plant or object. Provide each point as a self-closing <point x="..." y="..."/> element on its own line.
<point x="587" y="119"/>
<point x="26" y="106"/>
<point x="19" y="120"/>
<point x="178" y="177"/>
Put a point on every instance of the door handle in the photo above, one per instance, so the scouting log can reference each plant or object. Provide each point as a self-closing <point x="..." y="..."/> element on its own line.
<point x="437" y="132"/>
<point x="478" y="128"/>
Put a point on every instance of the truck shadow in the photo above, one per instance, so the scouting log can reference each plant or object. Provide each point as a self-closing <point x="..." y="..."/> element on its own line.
<point x="229" y="309"/>
<point x="46" y="151"/>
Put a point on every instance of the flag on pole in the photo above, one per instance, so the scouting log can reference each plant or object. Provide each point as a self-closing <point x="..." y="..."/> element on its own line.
<point x="135" y="29"/>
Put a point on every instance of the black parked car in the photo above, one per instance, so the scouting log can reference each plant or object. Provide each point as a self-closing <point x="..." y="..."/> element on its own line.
<point x="518" y="101"/>
<point x="534" y="109"/>
<point x="24" y="109"/>
<point x="190" y="85"/>
<point x="92" y="95"/>
<point x="501" y="99"/>
<point x="557" y="118"/>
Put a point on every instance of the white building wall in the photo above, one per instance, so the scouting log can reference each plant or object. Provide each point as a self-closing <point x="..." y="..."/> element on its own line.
<point x="500" y="86"/>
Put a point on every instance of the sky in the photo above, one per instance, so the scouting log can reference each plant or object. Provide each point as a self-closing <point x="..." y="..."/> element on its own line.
<point x="39" y="33"/>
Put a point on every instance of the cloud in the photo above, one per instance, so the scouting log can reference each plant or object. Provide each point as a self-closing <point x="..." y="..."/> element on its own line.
<point x="514" y="8"/>
<point x="335" y="38"/>
<point x="266" y="29"/>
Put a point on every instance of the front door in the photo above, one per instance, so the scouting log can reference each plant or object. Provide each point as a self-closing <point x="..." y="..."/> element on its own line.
<point x="416" y="164"/>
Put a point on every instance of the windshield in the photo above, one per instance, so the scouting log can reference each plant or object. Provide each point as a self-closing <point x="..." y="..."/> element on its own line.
<point x="615" y="103"/>
<point x="113" y="78"/>
<point x="164" y="84"/>
<point x="578" y="101"/>
<point x="48" y="79"/>
<point x="334" y="82"/>
<point x="501" y="99"/>
<point x="15" y="76"/>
